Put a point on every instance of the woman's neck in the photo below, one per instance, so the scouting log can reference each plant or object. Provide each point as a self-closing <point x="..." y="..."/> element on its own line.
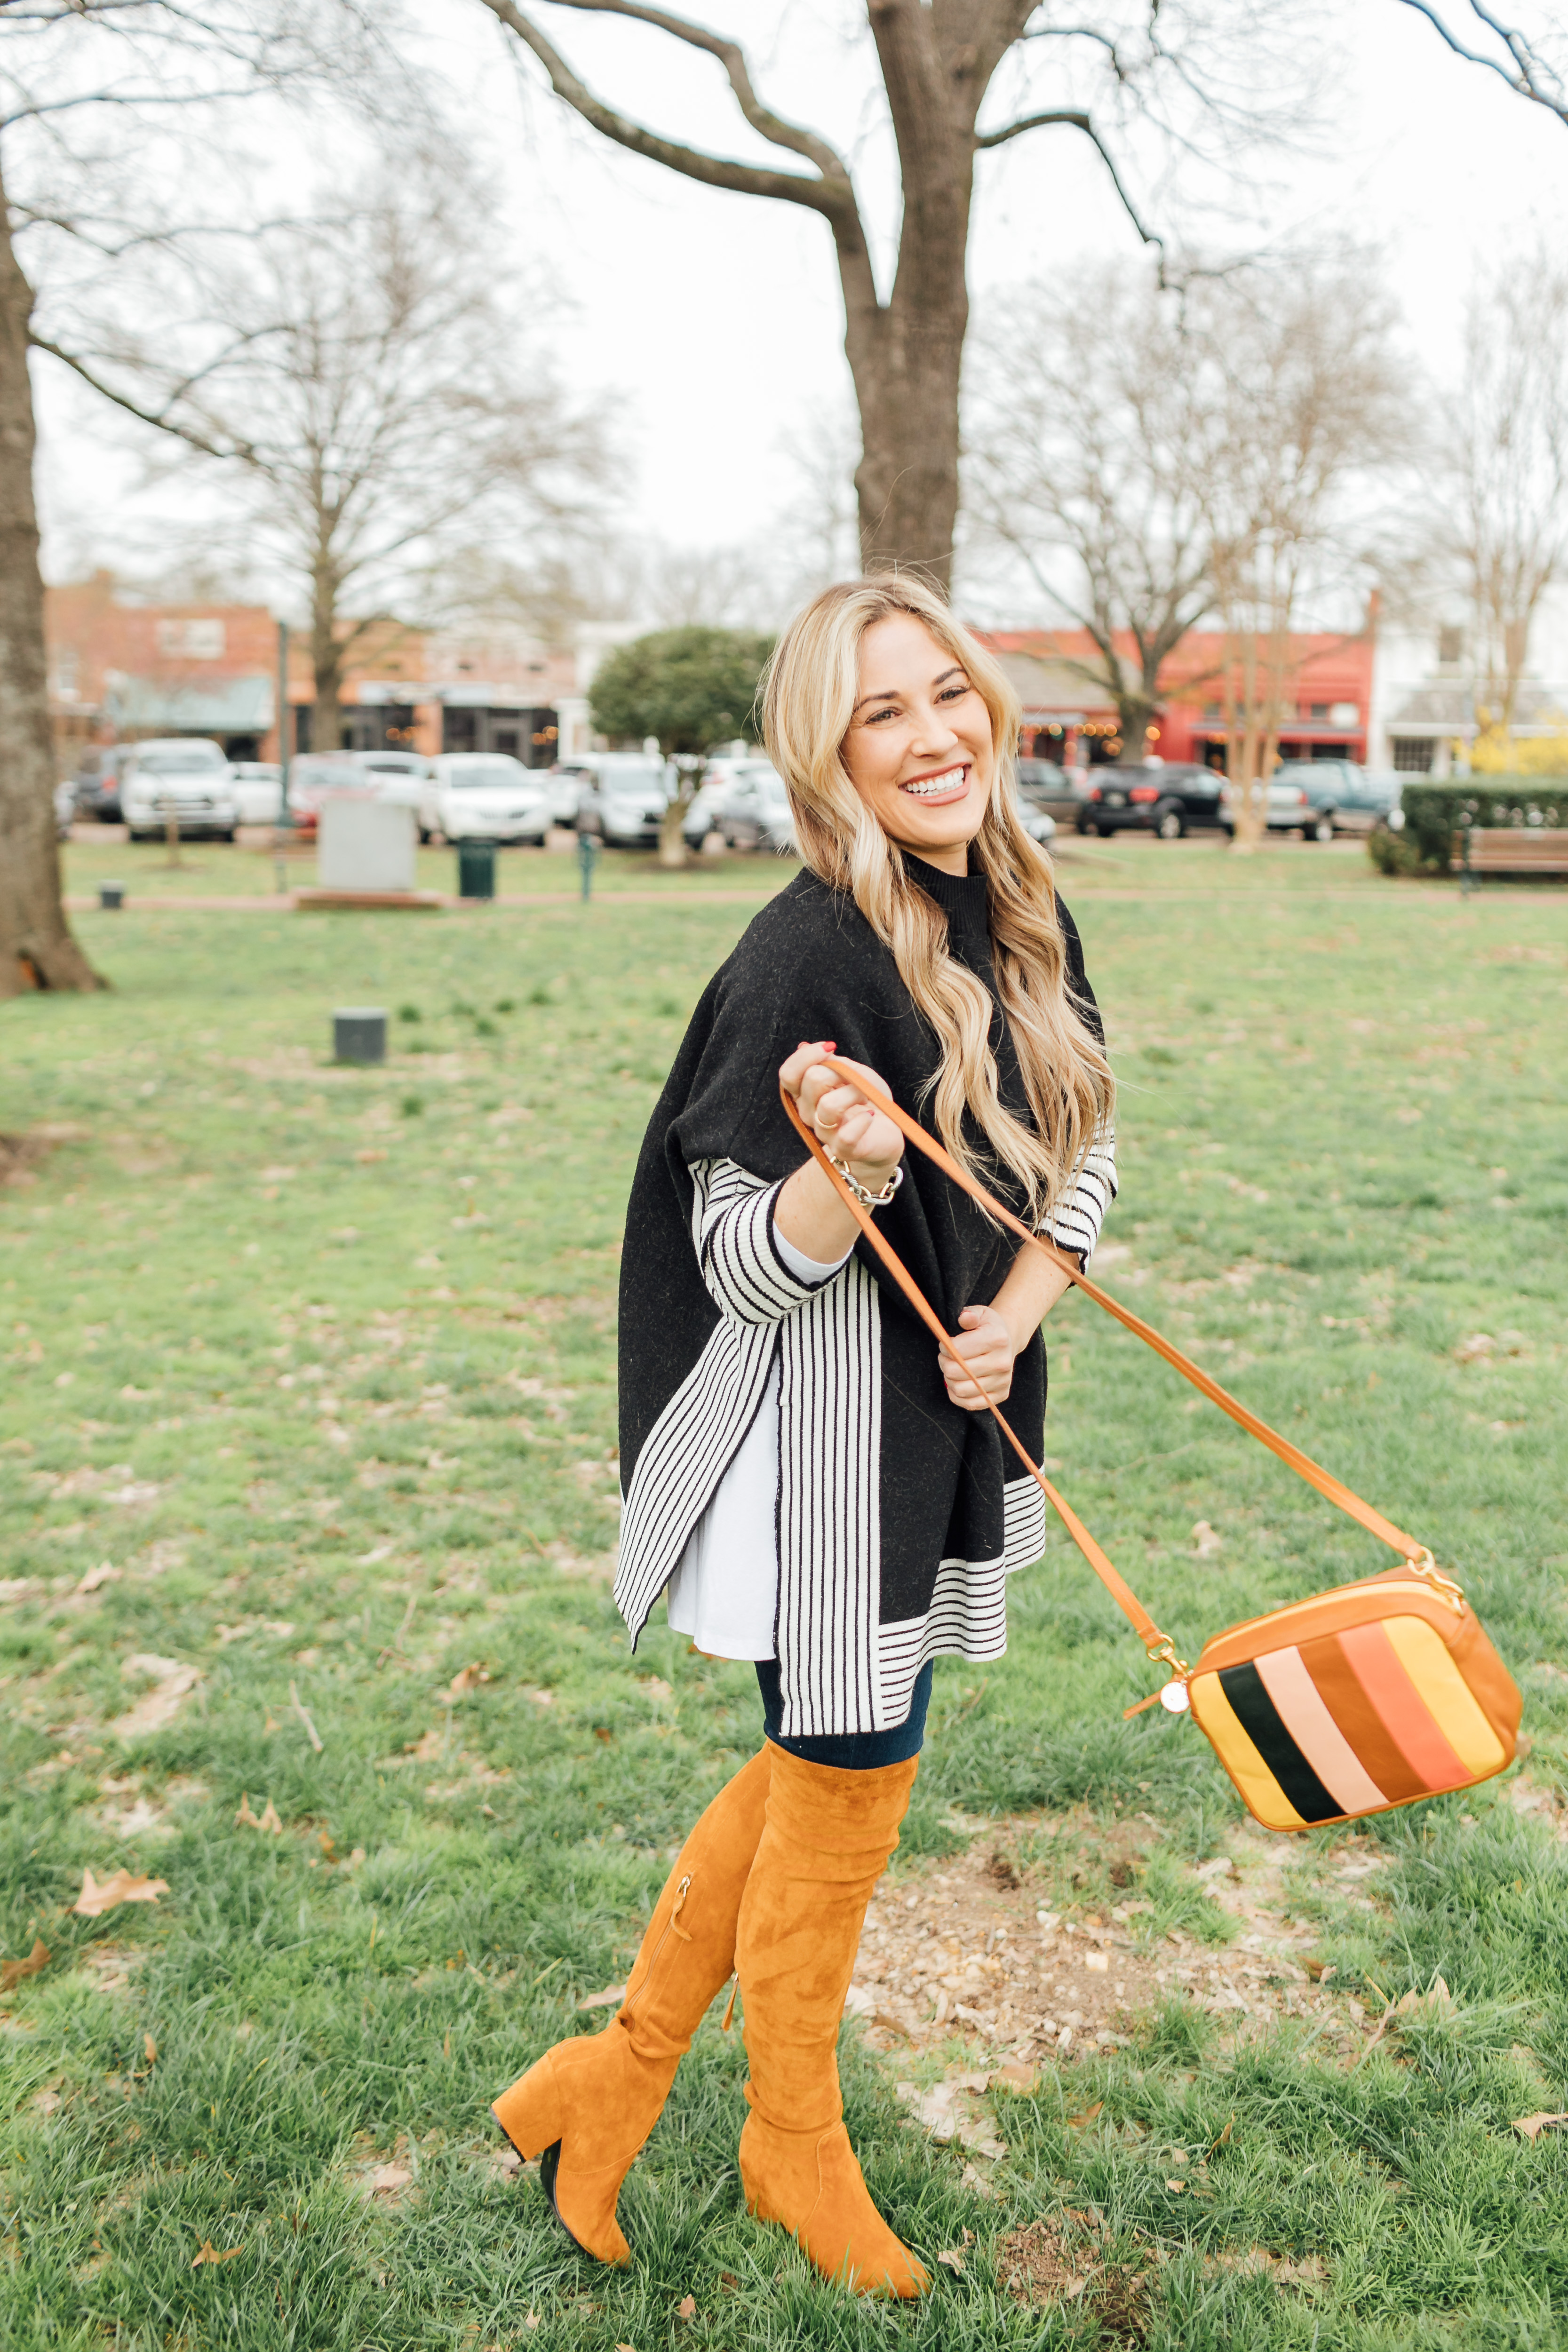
<point x="947" y="858"/>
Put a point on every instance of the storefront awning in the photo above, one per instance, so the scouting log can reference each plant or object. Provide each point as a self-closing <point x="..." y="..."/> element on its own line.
<point x="226" y="705"/>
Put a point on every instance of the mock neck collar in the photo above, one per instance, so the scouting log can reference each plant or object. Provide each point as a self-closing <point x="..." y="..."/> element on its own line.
<point x="962" y="897"/>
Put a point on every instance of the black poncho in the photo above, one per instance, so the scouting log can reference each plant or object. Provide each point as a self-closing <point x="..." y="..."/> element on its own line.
<point x="899" y="1514"/>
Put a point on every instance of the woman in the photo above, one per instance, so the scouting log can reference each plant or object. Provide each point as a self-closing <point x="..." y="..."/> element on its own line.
<point x="813" y="1484"/>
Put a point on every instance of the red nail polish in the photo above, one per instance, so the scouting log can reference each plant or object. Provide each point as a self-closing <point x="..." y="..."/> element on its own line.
<point x="829" y="1045"/>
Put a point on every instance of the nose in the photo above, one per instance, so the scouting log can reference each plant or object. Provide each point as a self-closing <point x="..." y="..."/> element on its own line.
<point x="934" y="736"/>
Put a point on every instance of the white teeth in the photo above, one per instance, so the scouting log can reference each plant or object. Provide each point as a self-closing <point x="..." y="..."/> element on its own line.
<point x="928" y="785"/>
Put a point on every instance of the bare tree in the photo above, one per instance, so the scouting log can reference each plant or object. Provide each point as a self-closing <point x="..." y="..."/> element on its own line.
<point x="1521" y="58"/>
<point x="82" y="85"/>
<point x="1171" y="63"/>
<point x="1084" y="454"/>
<point x="1296" y="399"/>
<point x="363" y="385"/>
<point x="1495" y="515"/>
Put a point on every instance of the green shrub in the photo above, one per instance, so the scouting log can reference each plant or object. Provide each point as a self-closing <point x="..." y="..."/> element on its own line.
<point x="1396" y="853"/>
<point x="1433" y="813"/>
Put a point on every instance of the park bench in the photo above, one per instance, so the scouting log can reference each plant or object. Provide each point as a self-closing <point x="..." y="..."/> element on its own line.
<point x="1511" y="849"/>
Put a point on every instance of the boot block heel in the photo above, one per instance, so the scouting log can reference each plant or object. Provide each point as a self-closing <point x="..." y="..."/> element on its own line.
<point x="532" y="2114"/>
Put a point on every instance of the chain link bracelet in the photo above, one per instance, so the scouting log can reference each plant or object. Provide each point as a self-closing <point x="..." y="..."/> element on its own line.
<point x="867" y="1200"/>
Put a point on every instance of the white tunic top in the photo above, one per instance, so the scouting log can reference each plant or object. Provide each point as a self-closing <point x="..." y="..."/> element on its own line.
<point x="725" y="1591"/>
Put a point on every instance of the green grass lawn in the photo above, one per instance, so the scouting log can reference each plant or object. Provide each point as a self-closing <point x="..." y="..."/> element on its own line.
<point x="310" y="1425"/>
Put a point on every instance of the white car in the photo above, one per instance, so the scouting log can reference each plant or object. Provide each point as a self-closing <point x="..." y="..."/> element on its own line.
<point x="258" y="790"/>
<point x="754" y="812"/>
<point x="484" y="796"/>
<point x="186" y="777"/>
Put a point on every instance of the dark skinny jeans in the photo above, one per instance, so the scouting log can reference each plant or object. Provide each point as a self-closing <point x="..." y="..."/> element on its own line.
<point x="851" y="1751"/>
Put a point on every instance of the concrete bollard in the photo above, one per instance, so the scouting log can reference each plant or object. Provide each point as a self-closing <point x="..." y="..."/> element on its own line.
<point x="359" y="1034"/>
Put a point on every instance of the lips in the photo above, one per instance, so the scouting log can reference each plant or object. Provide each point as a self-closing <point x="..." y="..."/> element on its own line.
<point x="952" y="784"/>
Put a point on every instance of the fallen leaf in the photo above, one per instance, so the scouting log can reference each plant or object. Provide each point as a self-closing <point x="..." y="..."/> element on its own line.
<point x="94" y="1900"/>
<point x="105" y="1573"/>
<point x="1205" y="1543"/>
<point x="1534" y="2125"/>
<point x="1079" y="2123"/>
<point x="245" y="1818"/>
<point x="605" y="2000"/>
<point x="161" y="1703"/>
<point x="1175" y="2186"/>
<point x="954" y="2260"/>
<point x="657" y="1687"/>
<point x="269" y="1820"/>
<point x="687" y="2307"/>
<point x="149" y="2050"/>
<point x="532" y="2319"/>
<point x="383" y="2178"/>
<point x="46" y="2102"/>
<point x="467" y="1678"/>
<point x="13" y="1972"/>
<point x="209" y="2254"/>
<point x="1018" y="2076"/>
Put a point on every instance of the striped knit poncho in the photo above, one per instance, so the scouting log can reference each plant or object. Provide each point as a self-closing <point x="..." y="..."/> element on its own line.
<point x="899" y="1514"/>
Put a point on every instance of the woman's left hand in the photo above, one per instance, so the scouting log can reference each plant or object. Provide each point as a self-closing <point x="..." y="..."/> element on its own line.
<point x="985" y="1349"/>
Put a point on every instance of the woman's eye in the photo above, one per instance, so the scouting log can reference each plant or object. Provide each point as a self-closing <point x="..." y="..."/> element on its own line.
<point x="877" y="715"/>
<point x="952" y="693"/>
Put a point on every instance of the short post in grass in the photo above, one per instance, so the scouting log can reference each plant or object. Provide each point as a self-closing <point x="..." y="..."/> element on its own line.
<point x="1467" y="880"/>
<point x="112" y="895"/>
<point x="285" y="814"/>
<point x="359" y="1034"/>
<point x="588" y="858"/>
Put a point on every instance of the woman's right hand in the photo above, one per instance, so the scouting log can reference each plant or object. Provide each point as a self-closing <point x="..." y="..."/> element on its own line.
<point x="843" y="1122"/>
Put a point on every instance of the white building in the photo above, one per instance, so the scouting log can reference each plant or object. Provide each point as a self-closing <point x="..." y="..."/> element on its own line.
<point x="1425" y="690"/>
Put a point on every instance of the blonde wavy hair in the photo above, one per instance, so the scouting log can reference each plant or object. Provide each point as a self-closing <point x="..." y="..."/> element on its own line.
<point x="807" y="697"/>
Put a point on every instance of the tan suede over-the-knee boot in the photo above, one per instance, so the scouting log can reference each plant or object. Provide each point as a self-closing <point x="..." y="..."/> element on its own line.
<point x="588" y="2105"/>
<point x="828" y="1837"/>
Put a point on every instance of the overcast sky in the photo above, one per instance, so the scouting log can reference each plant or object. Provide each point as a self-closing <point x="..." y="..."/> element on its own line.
<point x="711" y="322"/>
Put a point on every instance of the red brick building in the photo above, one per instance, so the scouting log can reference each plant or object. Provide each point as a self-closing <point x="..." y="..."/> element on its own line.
<point x="121" y="670"/>
<point x="1069" y="718"/>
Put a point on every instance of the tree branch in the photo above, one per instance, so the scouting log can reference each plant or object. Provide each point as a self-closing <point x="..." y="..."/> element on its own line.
<point x="733" y="57"/>
<point x="1531" y="73"/>
<point x="164" y="424"/>
<point x="832" y="195"/>
<point x="1075" y="120"/>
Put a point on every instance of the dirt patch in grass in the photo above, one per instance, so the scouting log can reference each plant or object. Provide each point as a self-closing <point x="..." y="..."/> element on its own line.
<point x="1058" y="2259"/>
<point x="997" y="1944"/>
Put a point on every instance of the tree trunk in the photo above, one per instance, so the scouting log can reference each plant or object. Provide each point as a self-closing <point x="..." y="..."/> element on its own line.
<point x="326" y="655"/>
<point x="905" y="355"/>
<point x="36" y="950"/>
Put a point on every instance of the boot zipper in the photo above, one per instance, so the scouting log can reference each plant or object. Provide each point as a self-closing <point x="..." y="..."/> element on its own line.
<point x="676" y="1908"/>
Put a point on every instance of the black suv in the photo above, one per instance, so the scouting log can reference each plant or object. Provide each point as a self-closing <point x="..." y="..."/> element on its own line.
<point x="1168" y="801"/>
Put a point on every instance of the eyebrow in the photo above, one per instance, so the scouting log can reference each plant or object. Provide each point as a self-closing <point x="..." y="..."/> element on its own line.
<point x="892" y="694"/>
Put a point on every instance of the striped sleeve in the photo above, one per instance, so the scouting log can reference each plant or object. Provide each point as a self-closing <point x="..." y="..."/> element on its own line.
<point x="732" y="1230"/>
<point x="1076" y="1218"/>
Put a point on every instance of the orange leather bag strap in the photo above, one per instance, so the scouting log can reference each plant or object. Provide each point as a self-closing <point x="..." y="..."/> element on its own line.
<point x="1330" y="1487"/>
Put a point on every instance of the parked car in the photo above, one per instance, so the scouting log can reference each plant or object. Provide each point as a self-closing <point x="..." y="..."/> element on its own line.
<point x="719" y="774"/>
<point x="754" y="812"/>
<point x="393" y="763"/>
<point x="1038" y="823"/>
<point x="1059" y="792"/>
<point x="257" y="788"/>
<point x="1168" y="801"/>
<point x="484" y="796"/>
<point x="97" y="781"/>
<point x="186" y="777"/>
<point x="629" y="791"/>
<point x="564" y="782"/>
<point x="1317" y="798"/>
<point x="310" y="774"/>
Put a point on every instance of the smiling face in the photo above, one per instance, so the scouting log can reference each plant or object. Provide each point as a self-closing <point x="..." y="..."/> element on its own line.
<point x="919" y="750"/>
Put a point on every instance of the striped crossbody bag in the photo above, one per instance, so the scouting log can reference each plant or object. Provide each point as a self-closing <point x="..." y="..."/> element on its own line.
<point x="1358" y="1700"/>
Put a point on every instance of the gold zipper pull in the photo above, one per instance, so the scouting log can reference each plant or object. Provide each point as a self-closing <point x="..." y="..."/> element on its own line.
<point x="730" y="2007"/>
<point x="681" y="1892"/>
